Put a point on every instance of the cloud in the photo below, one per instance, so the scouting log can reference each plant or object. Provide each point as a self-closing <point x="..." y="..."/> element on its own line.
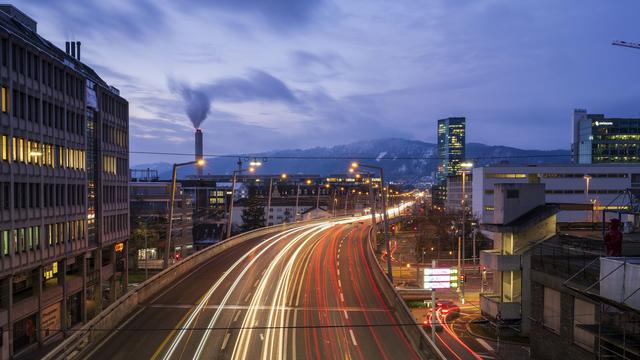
<point x="257" y="86"/>
<point x="279" y="14"/>
<point x="329" y="61"/>
<point x="127" y="19"/>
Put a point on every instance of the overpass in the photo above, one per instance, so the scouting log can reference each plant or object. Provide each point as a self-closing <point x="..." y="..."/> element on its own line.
<point x="303" y="290"/>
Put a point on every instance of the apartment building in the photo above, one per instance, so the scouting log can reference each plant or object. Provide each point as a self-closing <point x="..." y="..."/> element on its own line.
<point x="64" y="205"/>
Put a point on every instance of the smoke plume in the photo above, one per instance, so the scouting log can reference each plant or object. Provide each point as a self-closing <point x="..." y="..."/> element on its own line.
<point x="197" y="102"/>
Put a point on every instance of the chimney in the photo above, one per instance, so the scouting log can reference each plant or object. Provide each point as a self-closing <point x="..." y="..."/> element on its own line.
<point x="199" y="151"/>
<point x="68" y="47"/>
<point x="73" y="49"/>
<point x="78" y="42"/>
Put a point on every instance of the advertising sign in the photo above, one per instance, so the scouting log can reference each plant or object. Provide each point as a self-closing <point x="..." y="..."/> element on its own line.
<point x="51" y="320"/>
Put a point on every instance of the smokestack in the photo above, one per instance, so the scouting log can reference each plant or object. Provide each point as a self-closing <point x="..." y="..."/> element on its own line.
<point x="68" y="47"/>
<point x="199" y="151"/>
<point x="73" y="49"/>
<point x="78" y="50"/>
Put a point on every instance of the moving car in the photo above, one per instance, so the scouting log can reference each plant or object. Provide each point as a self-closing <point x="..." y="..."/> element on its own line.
<point x="448" y="308"/>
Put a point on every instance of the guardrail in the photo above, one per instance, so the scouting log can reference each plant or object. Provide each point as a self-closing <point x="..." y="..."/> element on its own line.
<point x="416" y="334"/>
<point x="94" y="330"/>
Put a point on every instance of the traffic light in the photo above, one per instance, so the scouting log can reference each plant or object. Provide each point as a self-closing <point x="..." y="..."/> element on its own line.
<point x="177" y="256"/>
<point x="462" y="279"/>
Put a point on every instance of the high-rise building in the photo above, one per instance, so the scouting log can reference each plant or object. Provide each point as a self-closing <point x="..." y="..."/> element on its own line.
<point x="451" y="146"/>
<point x="64" y="204"/>
<point x="598" y="139"/>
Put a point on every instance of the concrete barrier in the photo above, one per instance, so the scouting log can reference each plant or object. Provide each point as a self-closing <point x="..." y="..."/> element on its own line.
<point x="94" y="331"/>
<point x="414" y="331"/>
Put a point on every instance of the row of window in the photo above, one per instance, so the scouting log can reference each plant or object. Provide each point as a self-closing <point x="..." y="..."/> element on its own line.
<point x="115" y="223"/>
<point x="28" y="238"/>
<point x="27" y="195"/>
<point x="573" y="191"/>
<point x="114" y="165"/>
<point x="33" y="152"/>
<point x="114" y="136"/>
<point x="115" y="194"/>
<point x="27" y="63"/>
<point x="27" y="107"/>
<point x="553" y="175"/>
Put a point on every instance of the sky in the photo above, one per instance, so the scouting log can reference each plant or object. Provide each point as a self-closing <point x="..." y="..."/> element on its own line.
<point x="278" y="74"/>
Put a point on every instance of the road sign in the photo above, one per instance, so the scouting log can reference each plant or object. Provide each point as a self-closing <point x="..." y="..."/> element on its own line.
<point x="440" y="278"/>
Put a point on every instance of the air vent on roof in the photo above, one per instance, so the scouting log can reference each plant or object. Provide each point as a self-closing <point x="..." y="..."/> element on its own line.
<point x="72" y="48"/>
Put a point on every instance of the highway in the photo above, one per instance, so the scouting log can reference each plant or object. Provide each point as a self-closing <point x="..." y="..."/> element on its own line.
<point x="307" y="292"/>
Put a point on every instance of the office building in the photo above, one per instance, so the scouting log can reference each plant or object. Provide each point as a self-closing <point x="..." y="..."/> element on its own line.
<point x="451" y="147"/>
<point x="599" y="139"/>
<point x="64" y="204"/>
<point x="583" y="191"/>
<point x="150" y="201"/>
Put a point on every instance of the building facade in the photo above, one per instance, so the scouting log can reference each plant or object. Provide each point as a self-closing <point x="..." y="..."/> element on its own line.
<point x="599" y="187"/>
<point x="599" y="139"/>
<point x="455" y="191"/>
<point x="149" y="205"/>
<point x="451" y="146"/>
<point x="63" y="188"/>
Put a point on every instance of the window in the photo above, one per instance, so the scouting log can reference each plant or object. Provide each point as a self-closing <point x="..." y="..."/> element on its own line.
<point x="551" y="311"/>
<point x="5" y="242"/>
<point x="5" y="100"/>
<point x="513" y="194"/>
<point x="584" y="313"/>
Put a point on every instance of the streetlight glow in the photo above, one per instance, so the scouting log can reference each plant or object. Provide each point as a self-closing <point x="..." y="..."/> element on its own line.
<point x="200" y="162"/>
<point x="354" y="165"/>
<point x="283" y="176"/>
<point x="252" y="169"/>
<point x="308" y="181"/>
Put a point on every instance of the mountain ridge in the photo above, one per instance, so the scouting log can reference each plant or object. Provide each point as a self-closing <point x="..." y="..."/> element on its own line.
<point x="404" y="160"/>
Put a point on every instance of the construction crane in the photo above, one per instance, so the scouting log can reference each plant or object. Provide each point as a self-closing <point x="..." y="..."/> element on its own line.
<point x="626" y="44"/>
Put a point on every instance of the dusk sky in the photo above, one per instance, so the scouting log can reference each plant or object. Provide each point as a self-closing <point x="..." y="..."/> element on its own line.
<point x="297" y="74"/>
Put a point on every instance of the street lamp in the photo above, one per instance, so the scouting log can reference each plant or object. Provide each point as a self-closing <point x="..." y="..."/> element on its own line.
<point x="464" y="167"/>
<point x="199" y="163"/>
<point x="251" y="169"/>
<point x="386" y="239"/>
<point x="283" y="177"/>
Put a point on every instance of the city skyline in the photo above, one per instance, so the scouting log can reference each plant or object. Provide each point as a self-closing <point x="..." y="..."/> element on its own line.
<point x="299" y="75"/>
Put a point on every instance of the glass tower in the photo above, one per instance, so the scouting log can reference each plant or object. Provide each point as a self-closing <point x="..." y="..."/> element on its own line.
<point x="451" y="146"/>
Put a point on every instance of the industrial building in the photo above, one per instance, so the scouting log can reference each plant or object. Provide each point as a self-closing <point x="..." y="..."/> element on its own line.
<point x="599" y="139"/>
<point x="64" y="214"/>
<point x="590" y="189"/>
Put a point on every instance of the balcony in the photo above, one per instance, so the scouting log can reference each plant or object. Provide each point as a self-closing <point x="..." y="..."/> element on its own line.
<point x="491" y="304"/>
<point x="495" y="260"/>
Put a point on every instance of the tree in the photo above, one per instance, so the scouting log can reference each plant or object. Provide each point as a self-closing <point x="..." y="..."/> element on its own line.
<point x="253" y="213"/>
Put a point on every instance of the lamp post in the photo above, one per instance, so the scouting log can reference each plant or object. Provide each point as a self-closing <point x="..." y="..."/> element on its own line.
<point x="463" y="169"/>
<point x="587" y="182"/>
<point x="251" y="169"/>
<point x="283" y="177"/>
<point x="199" y="163"/>
<point x="386" y="238"/>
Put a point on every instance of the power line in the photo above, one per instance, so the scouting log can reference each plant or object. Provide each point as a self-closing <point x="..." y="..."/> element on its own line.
<point x="354" y="157"/>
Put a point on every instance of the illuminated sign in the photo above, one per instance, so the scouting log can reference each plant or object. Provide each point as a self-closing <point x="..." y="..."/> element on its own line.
<point x="119" y="247"/>
<point x="440" y="278"/>
<point x="604" y="123"/>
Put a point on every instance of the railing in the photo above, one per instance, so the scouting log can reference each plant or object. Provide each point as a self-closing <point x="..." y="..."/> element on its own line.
<point x="95" y="330"/>
<point x="414" y="331"/>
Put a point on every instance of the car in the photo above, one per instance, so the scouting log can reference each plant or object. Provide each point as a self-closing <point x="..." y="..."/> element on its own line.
<point x="448" y="307"/>
<point x="426" y="325"/>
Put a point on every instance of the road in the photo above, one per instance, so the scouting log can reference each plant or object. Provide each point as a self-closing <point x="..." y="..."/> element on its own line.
<point x="307" y="292"/>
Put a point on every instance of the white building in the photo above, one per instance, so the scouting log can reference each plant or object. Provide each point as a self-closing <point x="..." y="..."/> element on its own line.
<point x="597" y="184"/>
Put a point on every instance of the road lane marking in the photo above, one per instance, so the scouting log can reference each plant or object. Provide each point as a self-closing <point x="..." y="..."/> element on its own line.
<point x="339" y="283"/>
<point x="353" y="338"/>
<point x="341" y="297"/>
<point x="484" y="344"/>
<point x="235" y="318"/>
<point x="338" y="272"/>
<point x="261" y="337"/>
<point x="246" y="298"/>
<point x="224" y="342"/>
<point x="256" y="283"/>
<point x="346" y="314"/>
